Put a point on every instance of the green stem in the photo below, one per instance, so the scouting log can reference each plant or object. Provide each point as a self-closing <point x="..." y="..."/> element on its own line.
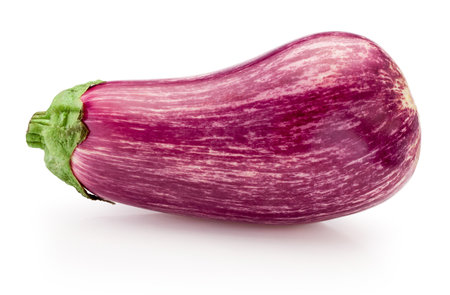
<point x="58" y="131"/>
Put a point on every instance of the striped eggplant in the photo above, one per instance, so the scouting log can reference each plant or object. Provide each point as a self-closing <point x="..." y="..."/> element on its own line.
<point x="319" y="128"/>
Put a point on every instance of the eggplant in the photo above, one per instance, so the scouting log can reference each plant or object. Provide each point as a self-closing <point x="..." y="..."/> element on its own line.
<point x="322" y="127"/>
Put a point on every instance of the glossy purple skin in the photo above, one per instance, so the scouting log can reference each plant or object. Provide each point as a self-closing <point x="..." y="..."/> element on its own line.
<point x="322" y="127"/>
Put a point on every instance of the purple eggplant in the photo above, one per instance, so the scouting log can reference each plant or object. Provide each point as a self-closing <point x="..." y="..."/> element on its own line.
<point x="319" y="128"/>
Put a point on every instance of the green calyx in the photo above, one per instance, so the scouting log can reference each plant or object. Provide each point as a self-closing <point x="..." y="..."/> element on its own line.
<point x="59" y="130"/>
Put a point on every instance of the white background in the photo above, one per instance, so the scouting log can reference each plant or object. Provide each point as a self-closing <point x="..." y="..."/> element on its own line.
<point x="53" y="241"/>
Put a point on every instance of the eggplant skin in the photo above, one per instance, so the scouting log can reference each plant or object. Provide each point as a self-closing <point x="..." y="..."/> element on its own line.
<point x="319" y="128"/>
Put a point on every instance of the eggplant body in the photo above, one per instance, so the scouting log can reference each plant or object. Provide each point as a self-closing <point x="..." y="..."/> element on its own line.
<point x="322" y="127"/>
